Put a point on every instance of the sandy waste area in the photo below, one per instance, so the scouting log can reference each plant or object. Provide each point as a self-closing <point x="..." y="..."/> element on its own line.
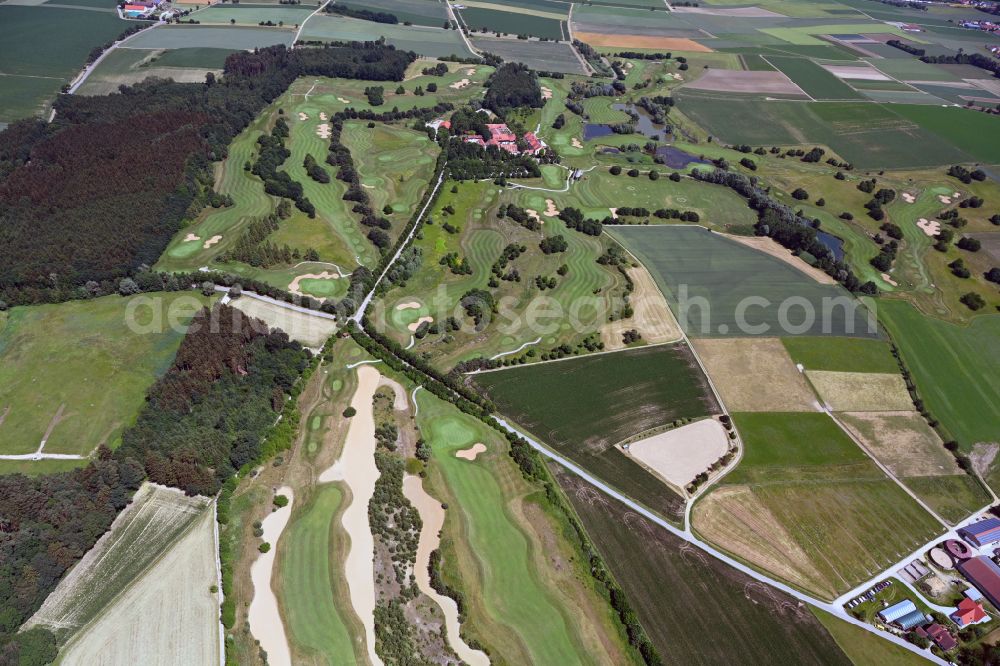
<point x="550" y="208"/>
<point x="576" y="143"/>
<point x="683" y="453"/>
<point x="929" y="227"/>
<point x="412" y="305"/>
<point x="412" y="328"/>
<point x="211" y="241"/>
<point x="458" y="85"/>
<point x="323" y="131"/>
<point x="263" y="615"/>
<point x="546" y="93"/>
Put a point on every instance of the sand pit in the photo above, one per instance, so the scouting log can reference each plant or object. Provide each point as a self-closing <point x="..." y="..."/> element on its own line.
<point x="458" y="85"/>
<point x="323" y="131"/>
<point x="929" y="227"/>
<point x="908" y="198"/>
<point x="576" y="143"/>
<point x="399" y="403"/>
<point x="614" y="213"/>
<point x="343" y="100"/>
<point x="861" y="391"/>
<point x="681" y="454"/>
<point x="470" y="71"/>
<point x="642" y="42"/>
<point x="889" y="280"/>
<point x="412" y="305"/>
<point x="322" y="116"/>
<point x="755" y="375"/>
<point x="770" y="247"/>
<point x="534" y="213"/>
<point x="303" y="116"/>
<point x="472" y="452"/>
<point x="211" y="241"/>
<point x="263" y="615"/>
<point x="651" y="314"/>
<point x="360" y="474"/>
<point x="432" y="516"/>
<point x="550" y="208"/>
<point x="956" y="195"/>
<point x="191" y="237"/>
<point x="412" y="328"/>
<point x="943" y="199"/>
<point x="325" y="275"/>
<point x="547" y="92"/>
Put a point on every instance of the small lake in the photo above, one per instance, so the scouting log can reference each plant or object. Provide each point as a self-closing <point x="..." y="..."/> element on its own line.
<point x="675" y="158"/>
<point x="832" y="243"/>
<point x="644" y="125"/>
<point x="596" y="130"/>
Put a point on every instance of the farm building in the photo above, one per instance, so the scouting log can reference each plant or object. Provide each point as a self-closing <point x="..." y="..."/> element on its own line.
<point x="904" y="615"/>
<point x="968" y="612"/>
<point x="942" y="637"/>
<point x="984" y="574"/>
<point x="982" y="533"/>
<point x="958" y="550"/>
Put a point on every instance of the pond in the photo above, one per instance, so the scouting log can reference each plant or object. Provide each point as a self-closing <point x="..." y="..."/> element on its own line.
<point x="675" y="158"/>
<point x="832" y="243"/>
<point x="644" y="125"/>
<point x="596" y="130"/>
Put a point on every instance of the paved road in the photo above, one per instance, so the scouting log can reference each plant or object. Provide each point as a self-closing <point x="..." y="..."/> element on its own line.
<point x="686" y="535"/>
<point x="282" y="304"/>
<point x="89" y="69"/>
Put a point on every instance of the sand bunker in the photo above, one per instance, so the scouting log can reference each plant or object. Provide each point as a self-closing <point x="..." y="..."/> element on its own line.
<point x="614" y="213"/>
<point x="412" y="305"/>
<point x="343" y="100"/>
<point x="888" y="279"/>
<point x="322" y="116"/>
<point x="432" y="516"/>
<point x="399" y="402"/>
<point x="472" y="452"/>
<point x="323" y="131"/>
<point x="943" y="199"/>
<point x="681" y="454"/>
<point x="550" y="208"/>
<point x="191" y="237"/>
<point x="263" y="616"/>
<point x="360" y="474"/>
<point x="457" y="85"/>
<point x="325" y="275"/>
<point x="412" y="328"/>
<point x="908" y="198"/>
<point x="303" y="116"/>
<point x="470" y="71"/>
<point x="772" y="248"/>
<point x="534" y="213"/>
<point x="929" y="227"/>
<point x="547" y="92"/>
<point x="956" y="195"/>
<point x="211" y="241"/>
<point x="576" y="143"/>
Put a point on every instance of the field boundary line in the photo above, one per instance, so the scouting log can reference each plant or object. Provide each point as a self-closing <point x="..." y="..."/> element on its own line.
<point x="302" y="25"/>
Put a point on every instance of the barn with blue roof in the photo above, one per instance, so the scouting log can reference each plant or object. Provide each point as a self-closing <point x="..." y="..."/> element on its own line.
<point x="904" y="615"/>
<point x="983" y="532"/>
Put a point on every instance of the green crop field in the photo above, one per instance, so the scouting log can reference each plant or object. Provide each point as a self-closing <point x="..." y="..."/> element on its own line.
<point x="953" y="497"/>
<point x="678" y="592"/>
<point x="582" y="406"/>
<point x="308" y="558"/>
<point x="842" y="354"/>
<point x="32" y="74"/>
<point x="867" y="134"/>
<point x="283" y="15"/>
<point x="419" y="12"/>
<point x="956" y="369"/>
<point x="98" y="385"/>
<point x="976" y="133"/>
<point x="476" y="18"/>
<point x="488" y="546"/>
<point x="718" y="287"/>
<point x="813" y="79"/>
<point x="237" y="38"/>
<point x="194" y="57"/>
<point x="431" y="42"/>
<point x="787" y="502"/>
<point x="128" y="66"/>
<point x="545" y="56"/>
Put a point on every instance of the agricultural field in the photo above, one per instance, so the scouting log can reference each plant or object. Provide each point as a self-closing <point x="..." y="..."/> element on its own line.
<point x="431" y="42"/>
<point x="954" y="368"/>
<point x="30" y="76"/>
<point x="783" y="506"/>
<point x="715" y="286"/>
<point x="502" y="546"/>
<point x="129" y="66"/>
<point x="418" y="12"/>
<point x="281" y="15"/>
<point x="864" y="648"/>
<point x="156" y="527"/>
<point x="842" y="354"/>
<point x="479" y="17"/>
<point x="582" y="407"/>
<point x="110" y="351"/>
<point x="817" y="82"/>
<point x="545" y="56"/>
<point x="237" y="38"/>
<point x="665" y="580"/>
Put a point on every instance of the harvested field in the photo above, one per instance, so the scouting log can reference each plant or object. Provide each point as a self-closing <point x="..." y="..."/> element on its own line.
<point x="681" y="454"/>
<point x="853" y="72"/>
<point x="902" y="441"/>
<point x="310" y="330"/>
<point x="722" y="80"/>
<point x="772" y="248"/>
<point x="150" y="526"/>
<point x="739" y="12"/>
<point x="143" y="591"/>
<point x="642" y="42"/>
<point x="677" y="591"/>
<point x="582" y="406"/>
<point x="861" y="391"/>
<point x="755" y="375"/>
<point x="652" y="317"/>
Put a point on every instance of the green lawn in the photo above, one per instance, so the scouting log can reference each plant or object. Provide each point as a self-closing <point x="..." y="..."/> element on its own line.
<point x="865" y="648"/>
<point x="512" y="606"/>
<point x="83" y="357"/>
<point x="581" y="407"/>
<point x="842" y="354"/>
<point x="308" y="555"/>
<point x="956" y="369"/>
